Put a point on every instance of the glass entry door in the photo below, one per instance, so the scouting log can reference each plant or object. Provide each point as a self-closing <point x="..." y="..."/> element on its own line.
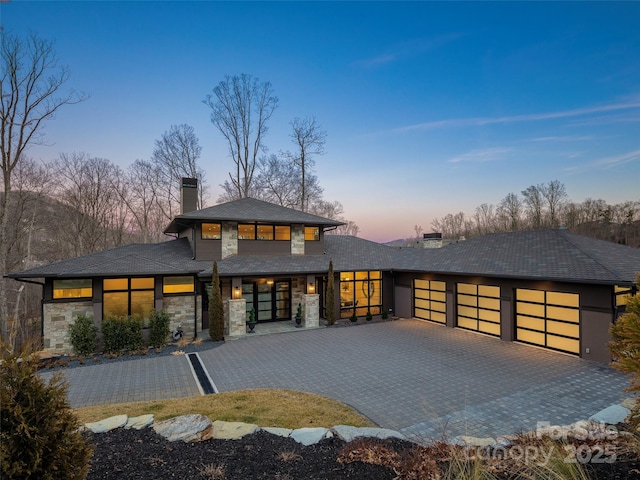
<point x="270" y="301"/>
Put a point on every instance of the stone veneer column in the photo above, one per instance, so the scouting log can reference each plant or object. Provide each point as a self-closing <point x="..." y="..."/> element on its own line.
<point x="297" y="239"/>
<point x="235" y="317"/>
<point x="229" y="236"/>
<point x="311" y="311"/>
<point x="57" y="318"/>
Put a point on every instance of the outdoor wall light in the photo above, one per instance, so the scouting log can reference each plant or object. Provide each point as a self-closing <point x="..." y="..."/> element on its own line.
<point x="236" y="293"/>
<point x="311" y="288"/>
<point x="269" y="282"/>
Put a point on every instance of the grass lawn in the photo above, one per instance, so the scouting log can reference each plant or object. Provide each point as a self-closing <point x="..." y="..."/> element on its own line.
<point x="263" y="407"/>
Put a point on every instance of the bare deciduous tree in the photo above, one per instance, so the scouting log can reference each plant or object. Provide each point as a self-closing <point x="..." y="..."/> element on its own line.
<point x="31" y="92"/>
<point x="241" y="107"/>
<point x="555" y="196"/>
<point x="86" y="187"/>
<point x="309" y="140"/>
<point x="176" y="156"/>
<point x="534" y="204"/>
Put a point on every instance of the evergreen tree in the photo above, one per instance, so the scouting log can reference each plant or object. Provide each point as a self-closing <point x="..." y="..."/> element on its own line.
<point x="625" y="346"/>
<point x="331" y="296"/>
<point x="216" y="309"/>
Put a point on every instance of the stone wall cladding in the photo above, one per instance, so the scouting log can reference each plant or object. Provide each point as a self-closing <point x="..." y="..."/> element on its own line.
<point x="235" y="317"/>
<point x="297" y="240"/>
<point x="57" y="318"/>
<point x="311" y="309"/>
<point x="182" y="311"/>
<point x="229" y="239"/>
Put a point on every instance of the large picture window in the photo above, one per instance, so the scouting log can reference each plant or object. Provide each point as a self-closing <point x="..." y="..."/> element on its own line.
<point x="360" y="292"/>
<point x="128" y="296"/>
<point x="76" y="288"/>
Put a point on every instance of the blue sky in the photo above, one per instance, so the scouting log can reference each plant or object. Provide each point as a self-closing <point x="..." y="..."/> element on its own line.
<point x="430" y="107"/>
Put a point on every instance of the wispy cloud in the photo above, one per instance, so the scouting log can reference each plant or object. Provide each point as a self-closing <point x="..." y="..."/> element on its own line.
<point x="407" y="49"/>
<point x="481" y="155"/>
<point x="608" y="162"/>
<point x="532" y="117"/>
<point x="563" y="138"/>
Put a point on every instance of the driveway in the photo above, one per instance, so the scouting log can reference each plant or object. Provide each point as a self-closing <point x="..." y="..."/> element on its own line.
<point x="422" y="379"/>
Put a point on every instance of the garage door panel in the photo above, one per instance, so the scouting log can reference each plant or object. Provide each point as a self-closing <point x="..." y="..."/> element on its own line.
<point x="489" y="315"/>
<point x="566" y="329"/>
<point x="421" y="313"/>
<point x="530" y="323"/>
<point x="468" y="300"/>
<point x="488" y="291"/>
<point x="489" y="327"/>
<point x="422" y="294"/>
<point x="438" y="296"/>
<point x="421" y="303"/>
<point x="469" y="323"/>
<point x="421" y="284"/>
<point x="530" y="309"/>
<point x="563" y="299"/>
<point x="560" y="313"/>
<point x="438" y="317"/>
<point x="529" y="336"/>
<point x="468" y="311"/>
<point x="439" y="307"/>
<point x="490" y="303"/>
<point x="561" y="343"/>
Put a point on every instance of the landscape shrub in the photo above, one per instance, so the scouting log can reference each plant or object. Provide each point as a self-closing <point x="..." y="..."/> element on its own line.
<point x="159" y="328"/>
<point x="83" y="334"/>
<point x="39" y="436"/>
<point x="625" y="346"/>
<point x="121" y="333"/>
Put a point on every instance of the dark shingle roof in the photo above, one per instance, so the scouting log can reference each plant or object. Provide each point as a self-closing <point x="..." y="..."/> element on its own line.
<point x="548" y="254"/>
<point x="168" y="258"/>
<point x="545" y="254"/>
<point x="251" y="210"/>
<point x="348" y="253"/>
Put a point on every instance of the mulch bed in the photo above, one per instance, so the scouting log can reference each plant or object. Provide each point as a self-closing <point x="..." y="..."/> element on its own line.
<point x="131" y="454"/>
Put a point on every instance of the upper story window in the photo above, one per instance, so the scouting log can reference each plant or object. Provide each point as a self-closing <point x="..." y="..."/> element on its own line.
<point x="76" y="288"/>
<point x="311" y="233"/>
<point x="264" y="232"/>
<point x="211" y="231"/>
<point x="246" y="232"/>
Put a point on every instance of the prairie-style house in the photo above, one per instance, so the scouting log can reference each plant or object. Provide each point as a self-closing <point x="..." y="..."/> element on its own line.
<point x="549" y="288"/>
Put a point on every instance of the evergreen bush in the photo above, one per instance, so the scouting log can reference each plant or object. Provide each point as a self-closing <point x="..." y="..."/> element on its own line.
<point x="331" y="296"/>
<point x="39" y="436"/>
<point x="83" y="334"/>
<point x="159" y="328"/>
<point x="216" y="308"/>
<point x="121" y="333"/>
<point x="133" y="328"/>
<point x="113" y="334"/>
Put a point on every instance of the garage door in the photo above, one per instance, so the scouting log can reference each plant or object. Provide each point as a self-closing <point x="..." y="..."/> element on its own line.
<point x="479" y="308"/>
<point x="430" y="300"/>
<point x="548" y="319"/>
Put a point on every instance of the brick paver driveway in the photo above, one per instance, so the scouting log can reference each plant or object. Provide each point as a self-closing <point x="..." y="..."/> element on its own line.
<point x="421" y="379"/>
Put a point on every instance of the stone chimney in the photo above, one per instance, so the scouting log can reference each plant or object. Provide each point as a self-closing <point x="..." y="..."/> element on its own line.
<point x="188" y="195"/>
<point x="432" y="240"/>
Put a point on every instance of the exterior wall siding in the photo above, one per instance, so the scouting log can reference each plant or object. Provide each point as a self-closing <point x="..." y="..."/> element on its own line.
<point x="182" y="311"/>
<point x="56" y="320"/>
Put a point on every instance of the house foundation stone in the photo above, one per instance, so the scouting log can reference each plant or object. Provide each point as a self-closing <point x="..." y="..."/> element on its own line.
<point x="235" y="317"/>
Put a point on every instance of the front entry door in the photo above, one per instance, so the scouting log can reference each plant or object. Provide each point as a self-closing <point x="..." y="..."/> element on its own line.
<point x="270" y="301"/>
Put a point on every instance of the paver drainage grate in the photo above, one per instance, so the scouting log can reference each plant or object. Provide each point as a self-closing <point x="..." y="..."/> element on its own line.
<point x="205" y="384"/>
